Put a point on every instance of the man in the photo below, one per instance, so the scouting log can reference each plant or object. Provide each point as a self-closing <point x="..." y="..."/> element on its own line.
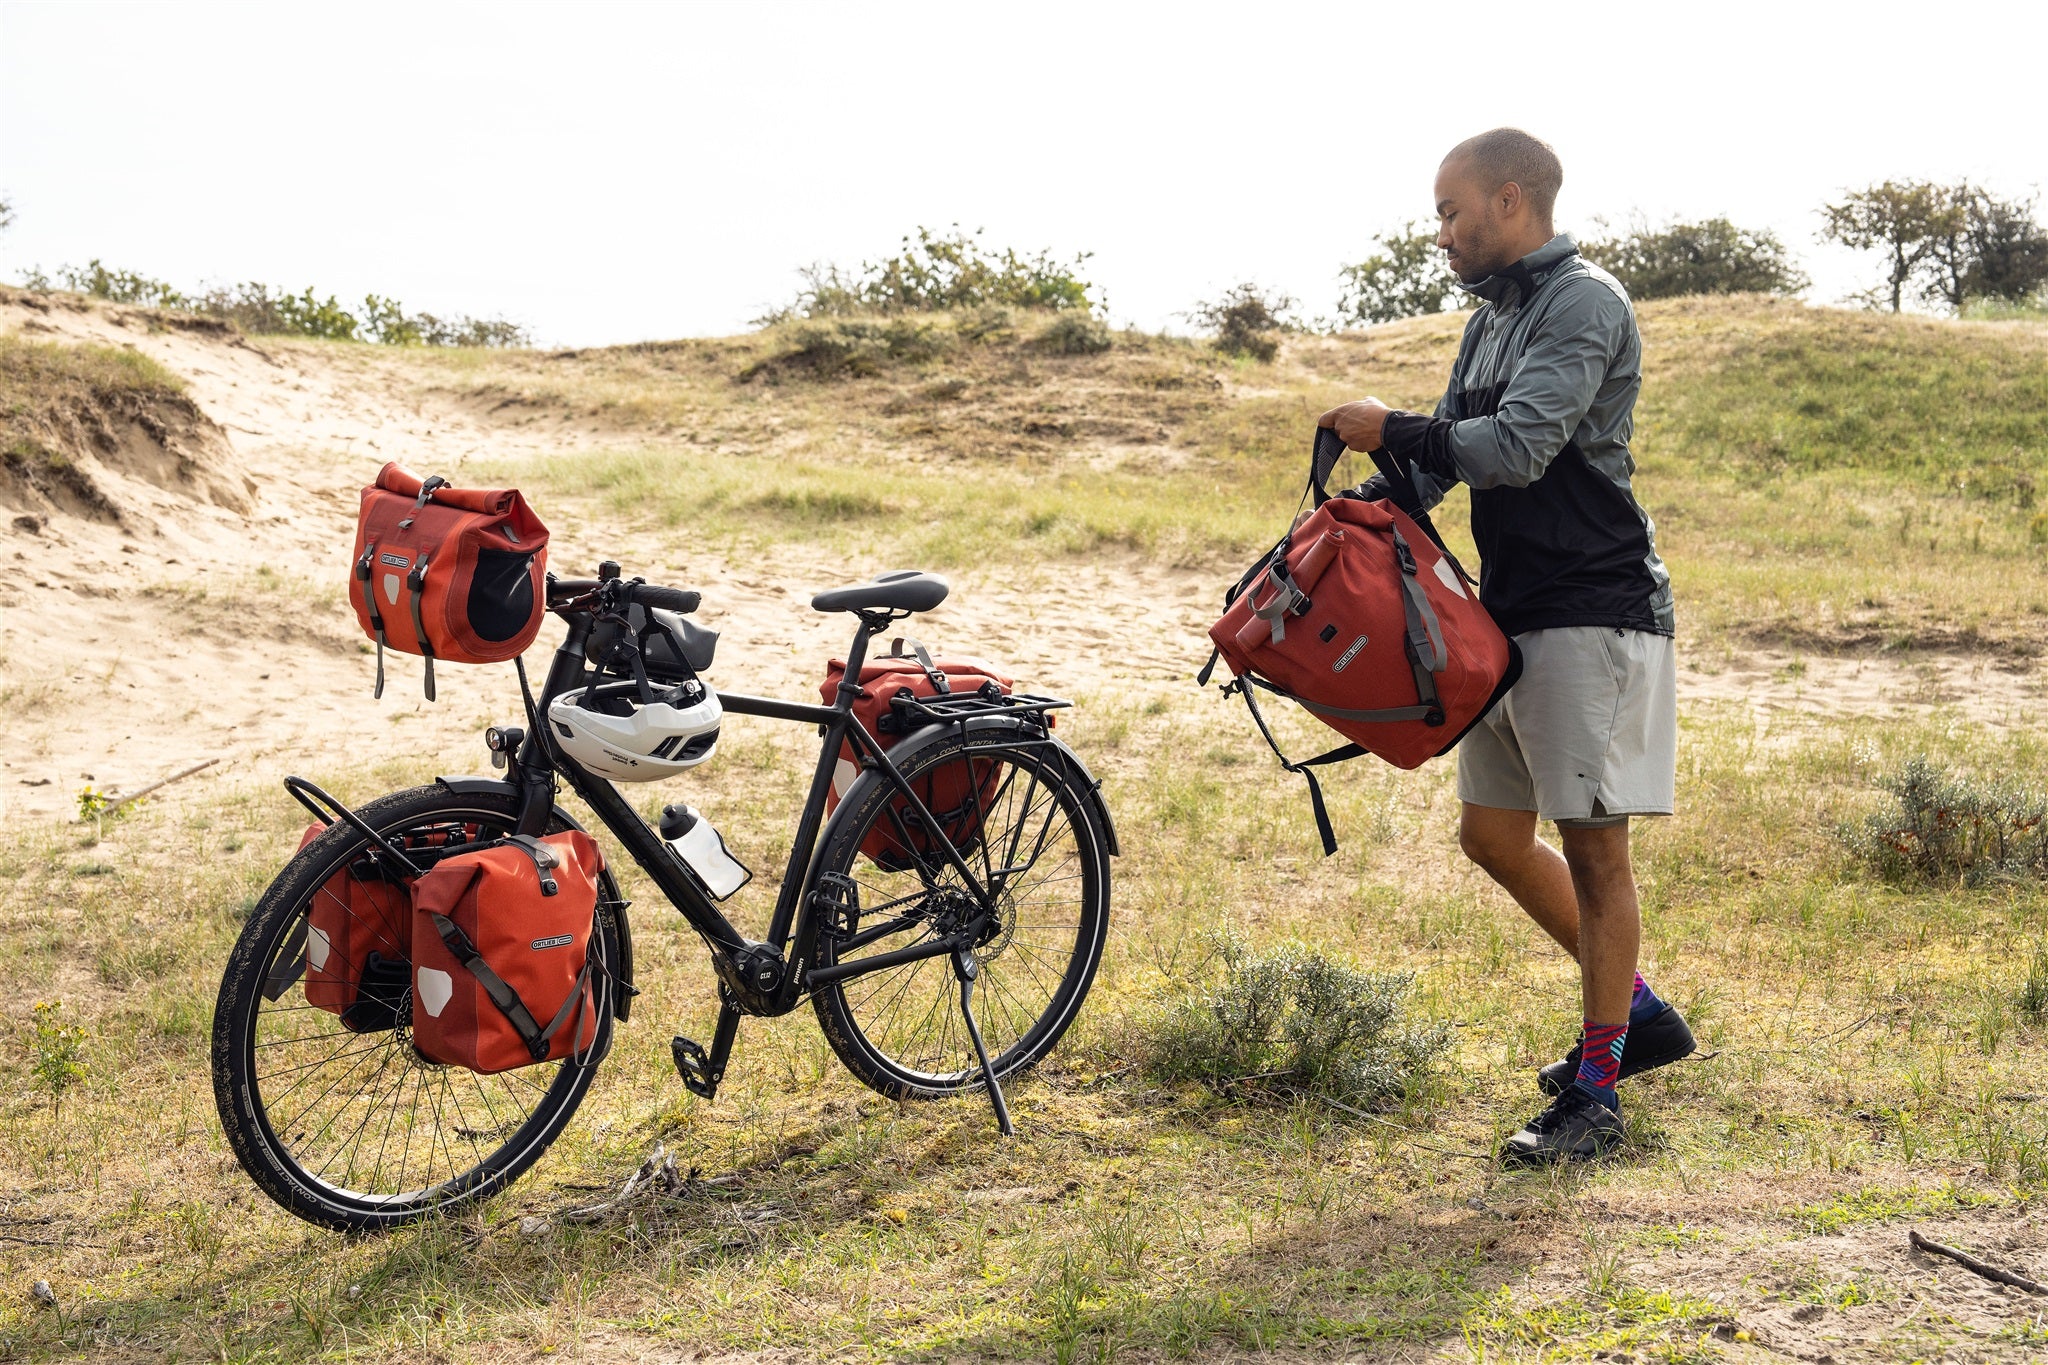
<point x="1536" y="419"/>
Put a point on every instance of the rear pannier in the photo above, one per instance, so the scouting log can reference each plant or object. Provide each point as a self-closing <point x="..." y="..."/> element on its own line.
<point x="956" y="793"/>
<point x="1363" y="618"/>
<point x="356" y="932"/>
<point x="445" y="572"/>
<point x="503" y="967"/>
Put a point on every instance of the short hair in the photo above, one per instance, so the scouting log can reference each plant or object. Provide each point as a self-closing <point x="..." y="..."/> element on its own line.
<point x="1505" y="154"/>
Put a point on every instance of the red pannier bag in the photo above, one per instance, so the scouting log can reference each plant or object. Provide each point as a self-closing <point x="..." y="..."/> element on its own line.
<point x="956" y="793"/>
<point x="502" y="970"/>
<point x="1364" y="619"/>
<point x="356" y="936"/>
<point x="446" y="572"/>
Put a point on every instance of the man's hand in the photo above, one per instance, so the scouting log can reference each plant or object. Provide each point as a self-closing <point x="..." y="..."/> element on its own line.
<point x="1357" y="423"/>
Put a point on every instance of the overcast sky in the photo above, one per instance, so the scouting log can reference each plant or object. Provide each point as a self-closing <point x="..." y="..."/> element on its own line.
<point x="608" y="173"/>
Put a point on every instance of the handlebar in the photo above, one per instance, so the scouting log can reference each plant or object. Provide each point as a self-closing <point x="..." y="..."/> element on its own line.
<point x="570" y="594"/>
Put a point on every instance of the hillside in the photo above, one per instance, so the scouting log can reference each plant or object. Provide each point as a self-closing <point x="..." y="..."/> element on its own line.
<point x="1851" y="506"/>
<point x="198" y="559"/>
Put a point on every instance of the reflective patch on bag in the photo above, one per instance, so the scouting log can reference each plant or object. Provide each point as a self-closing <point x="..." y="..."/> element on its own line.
<point x="318" y="946"/>
<point x="391" y="588"/>
<point x="435" y="989"/>
<point x="1344" y="659"/>
<point x="1450" y="577"/>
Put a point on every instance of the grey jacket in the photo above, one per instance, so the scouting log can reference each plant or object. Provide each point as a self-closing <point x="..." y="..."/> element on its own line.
<point x="1537" y="419"/>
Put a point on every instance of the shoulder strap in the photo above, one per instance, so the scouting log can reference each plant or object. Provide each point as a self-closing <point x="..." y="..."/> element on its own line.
<point x="1340" y="754"/>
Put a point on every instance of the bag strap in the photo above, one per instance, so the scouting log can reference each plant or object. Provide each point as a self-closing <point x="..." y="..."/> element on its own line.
<point x="426" y="495"/>
<point x="940" y="682"/>
<point x="1402" y="489"/>
<point x="366" y="573"/>
<point x="1236" y="590"/>
<point x="1342" y="753"/>
<point x="417" y="582"/>
<point x="502" y="995"/>
<point x="545" y="860"/>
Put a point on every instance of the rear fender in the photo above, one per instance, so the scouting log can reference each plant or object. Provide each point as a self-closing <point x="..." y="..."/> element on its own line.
<point x="622" y="1000"/>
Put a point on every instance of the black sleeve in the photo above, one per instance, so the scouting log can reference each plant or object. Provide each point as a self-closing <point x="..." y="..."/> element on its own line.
<point x="1424" y="442"/>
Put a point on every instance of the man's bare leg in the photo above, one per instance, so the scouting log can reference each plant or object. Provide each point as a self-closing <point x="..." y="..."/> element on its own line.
<point x="1610" y="918"/>
<point x="1504" y="844"/>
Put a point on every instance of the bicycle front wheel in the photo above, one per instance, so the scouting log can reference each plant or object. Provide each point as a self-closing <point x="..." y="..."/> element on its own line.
<point x="1026" y="825"/>
<point x="333" y="1112"/>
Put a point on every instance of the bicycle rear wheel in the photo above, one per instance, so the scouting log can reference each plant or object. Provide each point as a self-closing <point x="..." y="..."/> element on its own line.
<point x="336" y="1116"/>
<point x="1026" y="825"/>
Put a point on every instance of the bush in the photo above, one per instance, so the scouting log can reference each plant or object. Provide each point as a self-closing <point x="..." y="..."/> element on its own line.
<point x="1709" y="257"/>
<point x="1407" y="278"/>
<point x="1944" y="828"/>
<point x="1246" y="321"/>
<point x="851" y="348"/>
<point x="1290" y="1021"/>
<point x="935" y="272"/>
<point x="1075" y="334"/>
<point x="262" y="310"/>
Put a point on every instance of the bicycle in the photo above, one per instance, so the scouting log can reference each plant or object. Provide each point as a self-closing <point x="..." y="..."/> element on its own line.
<point x="357" y="1130"/>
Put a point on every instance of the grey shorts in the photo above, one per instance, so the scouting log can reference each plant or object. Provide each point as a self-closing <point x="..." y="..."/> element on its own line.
<point x="1588" y="735"/>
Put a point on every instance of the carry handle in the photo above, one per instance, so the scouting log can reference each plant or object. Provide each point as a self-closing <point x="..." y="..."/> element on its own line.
<point x="1401" y="489"/>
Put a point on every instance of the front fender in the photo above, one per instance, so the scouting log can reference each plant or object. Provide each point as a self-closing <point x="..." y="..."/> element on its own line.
<point x="622" y="1000"/>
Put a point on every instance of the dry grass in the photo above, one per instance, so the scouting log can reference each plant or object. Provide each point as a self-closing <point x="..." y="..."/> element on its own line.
<point x="1876" y="1060"/>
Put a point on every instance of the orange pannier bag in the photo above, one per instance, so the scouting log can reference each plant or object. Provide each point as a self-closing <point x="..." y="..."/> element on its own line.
<point x="956" y="793"/>
<point x="356" y="936"/>
<point x="446" y="572"/>
<point x="502" y="963"/>
<point x="1364" y="619"/>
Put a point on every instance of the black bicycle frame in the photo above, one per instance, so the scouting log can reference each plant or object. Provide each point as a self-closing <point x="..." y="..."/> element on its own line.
<point x="795" y="921"/>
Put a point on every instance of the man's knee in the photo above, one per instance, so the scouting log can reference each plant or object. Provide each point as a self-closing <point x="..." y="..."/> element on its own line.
<point x="1598" y="856"/>
<point x="1496" y="838"/>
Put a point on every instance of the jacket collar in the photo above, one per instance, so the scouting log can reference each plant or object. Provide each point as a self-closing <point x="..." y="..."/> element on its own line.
<point x="1514" y="285"/>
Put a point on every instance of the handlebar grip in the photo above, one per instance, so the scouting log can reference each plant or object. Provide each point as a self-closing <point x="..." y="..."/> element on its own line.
<point x="668" y="599"/>
<point x="568" y="589"/>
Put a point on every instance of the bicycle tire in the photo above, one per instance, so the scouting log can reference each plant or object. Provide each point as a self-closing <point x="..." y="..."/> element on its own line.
<point x="280" y="1167"/>
<point x="934" y="1058"/>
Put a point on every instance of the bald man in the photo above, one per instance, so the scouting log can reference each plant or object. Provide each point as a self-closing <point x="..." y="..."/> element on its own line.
<point x="1536" y="420"/>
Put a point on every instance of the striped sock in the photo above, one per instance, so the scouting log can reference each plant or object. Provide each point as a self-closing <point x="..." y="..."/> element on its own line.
<point x="1600" y="1061"/>
<point x="1644" y="1004"/>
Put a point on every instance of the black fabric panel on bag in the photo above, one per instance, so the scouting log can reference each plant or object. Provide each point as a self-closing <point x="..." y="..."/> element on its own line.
<point x="500" y="594"/>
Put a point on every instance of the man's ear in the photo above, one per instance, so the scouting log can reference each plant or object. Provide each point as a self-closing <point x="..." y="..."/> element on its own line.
<point x="1510" y="199"/>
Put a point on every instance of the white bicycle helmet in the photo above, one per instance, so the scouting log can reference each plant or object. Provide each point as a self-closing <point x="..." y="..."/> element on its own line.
<point x="612" y="733"/>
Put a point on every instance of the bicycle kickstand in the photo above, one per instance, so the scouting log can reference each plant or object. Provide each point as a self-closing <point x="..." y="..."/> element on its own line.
<point x="966" y="968"/>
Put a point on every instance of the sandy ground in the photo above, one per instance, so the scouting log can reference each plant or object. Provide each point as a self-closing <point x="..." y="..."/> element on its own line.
<point x="206" y="632"/>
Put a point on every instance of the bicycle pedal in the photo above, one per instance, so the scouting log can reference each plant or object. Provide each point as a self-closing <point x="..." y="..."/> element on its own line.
<point x="693" y="1064"/>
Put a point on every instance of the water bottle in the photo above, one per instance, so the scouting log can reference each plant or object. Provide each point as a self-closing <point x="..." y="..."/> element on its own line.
<point x="697" y="842"/>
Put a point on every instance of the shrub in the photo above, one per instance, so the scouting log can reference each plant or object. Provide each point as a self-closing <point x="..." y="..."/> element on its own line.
<point x="1246" y="321"/>
<point x="56" y="1051"/>
<point x="936" y="272"/>
<point x="1947" y="829"/>
<point x="1290" y="1021"/>
<point x="1075" y="334"/>
<point x="1407" y="278"/>
<point x="847" y="348"/>
<point x="1709" y="257"/>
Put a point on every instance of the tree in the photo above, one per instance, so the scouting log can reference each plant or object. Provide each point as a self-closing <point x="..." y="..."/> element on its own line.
<point x="1408" y="277"/>
<point x="941" y="271"/>
<point x="2008" y="251"/>
<point x="1246" y="320"/>
<point x="1905" y="219"/>
<point x="1709" y="257"/>
<point x="6" y="213"/>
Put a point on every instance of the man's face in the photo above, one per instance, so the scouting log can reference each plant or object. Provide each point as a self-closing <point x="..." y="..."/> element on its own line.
<point x="1469" y="229"/>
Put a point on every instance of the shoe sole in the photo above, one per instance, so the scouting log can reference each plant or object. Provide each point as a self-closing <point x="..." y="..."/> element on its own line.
<point x="1537" y="1160"/>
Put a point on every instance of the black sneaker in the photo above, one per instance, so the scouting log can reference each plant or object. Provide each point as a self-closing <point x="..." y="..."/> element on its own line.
<point x="1658" y="1041"/>
<point x="1576" y="1127"/>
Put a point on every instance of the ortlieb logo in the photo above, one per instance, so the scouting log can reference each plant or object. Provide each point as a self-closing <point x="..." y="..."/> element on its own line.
<point x="395" y="561"/>
<point x="1344" y="659"/>
<point x="558" y="941"/>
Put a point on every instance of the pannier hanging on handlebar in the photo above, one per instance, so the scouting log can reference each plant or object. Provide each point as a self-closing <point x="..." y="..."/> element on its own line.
<point x="956" y="793"/>
<point x="446" y="572"/>
<point x="1364" y="618"/>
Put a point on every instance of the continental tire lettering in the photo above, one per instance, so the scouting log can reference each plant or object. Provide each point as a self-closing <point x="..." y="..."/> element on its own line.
<point x="1344" y="659"/>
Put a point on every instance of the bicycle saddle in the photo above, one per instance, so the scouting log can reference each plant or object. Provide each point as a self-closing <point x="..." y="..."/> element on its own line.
<point x="899" y="590"/>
